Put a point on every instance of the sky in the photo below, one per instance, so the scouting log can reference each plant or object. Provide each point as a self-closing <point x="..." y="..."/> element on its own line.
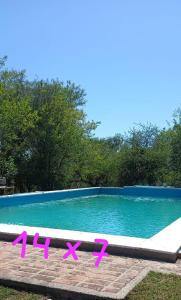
<point x="126" y="54"/>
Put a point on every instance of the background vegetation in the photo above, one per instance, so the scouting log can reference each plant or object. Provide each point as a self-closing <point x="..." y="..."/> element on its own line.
<point x="47" y="143"/>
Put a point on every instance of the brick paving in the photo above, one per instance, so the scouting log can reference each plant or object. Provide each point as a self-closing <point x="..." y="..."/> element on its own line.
<point x="115" y="276"/>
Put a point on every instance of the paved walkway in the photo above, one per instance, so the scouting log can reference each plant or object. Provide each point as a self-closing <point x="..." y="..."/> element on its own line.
<point x="112" y="279"/>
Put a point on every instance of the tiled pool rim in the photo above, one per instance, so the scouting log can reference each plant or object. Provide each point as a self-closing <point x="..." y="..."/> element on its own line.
<point x="164" y="245"/>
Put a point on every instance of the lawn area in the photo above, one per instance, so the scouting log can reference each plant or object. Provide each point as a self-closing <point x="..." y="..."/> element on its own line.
<point x="157" y="286"/>
<point x="12" y="294"/>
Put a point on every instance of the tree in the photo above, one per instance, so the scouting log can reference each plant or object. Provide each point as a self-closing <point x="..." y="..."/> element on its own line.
<point x="46" y="141"/>
<point x="175" y="153"/>
<point x="138" y="162"/>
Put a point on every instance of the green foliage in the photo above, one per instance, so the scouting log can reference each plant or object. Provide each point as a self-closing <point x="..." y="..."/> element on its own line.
<point x="175" y="156"/>
<point x="7" y="167"/>
<point x="46" y="141"/>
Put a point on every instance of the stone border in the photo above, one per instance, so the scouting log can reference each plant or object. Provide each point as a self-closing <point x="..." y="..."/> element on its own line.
<point x="66" y="292"/>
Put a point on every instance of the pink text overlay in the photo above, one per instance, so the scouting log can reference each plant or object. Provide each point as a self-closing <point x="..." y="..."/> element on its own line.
<point x="23" y="237"/>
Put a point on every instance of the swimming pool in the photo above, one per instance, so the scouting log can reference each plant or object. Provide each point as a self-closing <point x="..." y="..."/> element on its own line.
<point x="135" y="216"/>
<point x="136" y="221"/>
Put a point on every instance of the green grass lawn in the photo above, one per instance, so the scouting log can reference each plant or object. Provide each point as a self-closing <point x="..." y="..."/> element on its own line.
<point x="155" y="286"/>
<point x="12" y="294"/>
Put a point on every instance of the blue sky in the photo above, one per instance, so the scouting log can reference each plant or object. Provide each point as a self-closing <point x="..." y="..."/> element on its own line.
<point x="126" y="54"/>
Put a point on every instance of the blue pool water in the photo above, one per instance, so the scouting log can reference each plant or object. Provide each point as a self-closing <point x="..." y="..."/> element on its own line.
<point x="117" y="215"/>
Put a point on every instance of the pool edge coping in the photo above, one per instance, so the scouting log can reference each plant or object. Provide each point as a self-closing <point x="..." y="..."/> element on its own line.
<point x="164" y="245"/>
